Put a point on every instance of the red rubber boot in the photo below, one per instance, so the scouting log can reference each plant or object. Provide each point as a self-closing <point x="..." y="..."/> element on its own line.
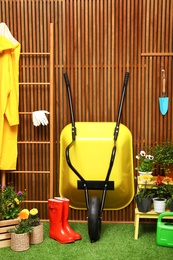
<point x="57" y="232"/>
<point x="65" y="223"/>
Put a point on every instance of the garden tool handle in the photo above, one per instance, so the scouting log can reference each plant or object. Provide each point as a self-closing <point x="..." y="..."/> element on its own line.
<point x="71" y="106"/>
<point x="116" y="131"/>
<point x="126" y="78"/>
<point x="164" y="214"/>
<point x="163" y="82"/>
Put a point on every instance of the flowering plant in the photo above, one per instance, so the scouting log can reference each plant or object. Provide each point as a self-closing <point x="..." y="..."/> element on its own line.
<point x="10" y="202"/>
<point x="33" y="219"/>
<point x="24" y="226"/>
<point x="146" y="162"/>
<point x="163" y="189"/>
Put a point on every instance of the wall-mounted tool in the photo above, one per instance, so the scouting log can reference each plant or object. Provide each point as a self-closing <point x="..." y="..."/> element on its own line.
<point x="163" y="101"/>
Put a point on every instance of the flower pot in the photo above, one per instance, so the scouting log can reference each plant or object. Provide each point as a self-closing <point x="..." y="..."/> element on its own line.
<point x="5" y="237"/>
<point x="144" y="205"/>
<point x="171" y="206"/>
<point x="20" y="242"/>
<point x="36" y="237"/>
<point x="159" y="204"/>
<point x="143" y="173"/>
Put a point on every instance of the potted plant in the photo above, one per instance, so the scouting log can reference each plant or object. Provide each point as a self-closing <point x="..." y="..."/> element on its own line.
<point x="146" y="163"/>
<point x="36" y="236"/>
<point x="10" y="206"/>
<point x="144" y="198"/>
<point x="163" y="153"/>
<point x="169" y="201"/>
<point x="10" y="202"/>
<point x="20" y="233"/>
<point x="162" y="193"/>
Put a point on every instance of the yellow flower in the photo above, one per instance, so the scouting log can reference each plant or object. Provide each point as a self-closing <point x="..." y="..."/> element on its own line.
<point x="146" y="177"/>
<point x="33" y="211"/>
<point x="17" y="201"/>
<point x="25" y="210"/>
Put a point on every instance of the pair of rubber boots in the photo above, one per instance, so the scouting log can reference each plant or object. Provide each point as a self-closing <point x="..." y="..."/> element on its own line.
<point x="60" y="229"/>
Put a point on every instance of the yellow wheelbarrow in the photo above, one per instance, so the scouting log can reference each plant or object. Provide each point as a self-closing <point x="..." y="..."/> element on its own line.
<point x="88" y="152"/>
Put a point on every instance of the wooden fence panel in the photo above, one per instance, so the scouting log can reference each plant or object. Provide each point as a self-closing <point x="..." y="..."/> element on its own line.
<point x="96" y="42"/>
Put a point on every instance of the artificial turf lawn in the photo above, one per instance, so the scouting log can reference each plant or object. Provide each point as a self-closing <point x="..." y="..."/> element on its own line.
<point x="116" y="242"/>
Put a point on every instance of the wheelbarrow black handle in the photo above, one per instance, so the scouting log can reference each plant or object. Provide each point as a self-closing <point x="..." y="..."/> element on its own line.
<point x="121" y="106"/>
<point x="116" y="131"/>
<point x="71" y="106"/>
<point x="126" y="78"/>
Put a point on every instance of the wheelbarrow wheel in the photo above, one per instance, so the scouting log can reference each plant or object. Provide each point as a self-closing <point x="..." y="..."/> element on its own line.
<point x="94" y="219"/>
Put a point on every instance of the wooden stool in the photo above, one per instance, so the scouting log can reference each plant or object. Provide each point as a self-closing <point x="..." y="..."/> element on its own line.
<point x="151" y="214"/>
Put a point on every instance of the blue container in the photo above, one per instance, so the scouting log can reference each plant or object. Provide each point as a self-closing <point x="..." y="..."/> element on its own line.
<point x="164" y="236"/>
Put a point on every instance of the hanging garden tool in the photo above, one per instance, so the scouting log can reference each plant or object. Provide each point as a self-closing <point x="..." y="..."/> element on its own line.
<point x="163" y="101"/>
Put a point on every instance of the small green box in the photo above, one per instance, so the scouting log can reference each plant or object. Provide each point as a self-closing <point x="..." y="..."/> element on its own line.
<point x="164" y="235"/>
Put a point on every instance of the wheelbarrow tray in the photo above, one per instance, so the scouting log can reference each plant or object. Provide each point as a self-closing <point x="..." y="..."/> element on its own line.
<point x="90" y="155"/>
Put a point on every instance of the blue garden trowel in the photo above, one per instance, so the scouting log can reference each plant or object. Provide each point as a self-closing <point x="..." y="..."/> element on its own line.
<point x="163" y="101"/>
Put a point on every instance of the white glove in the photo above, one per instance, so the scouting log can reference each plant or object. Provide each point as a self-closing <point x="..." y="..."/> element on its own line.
<point x="39" y="117"/>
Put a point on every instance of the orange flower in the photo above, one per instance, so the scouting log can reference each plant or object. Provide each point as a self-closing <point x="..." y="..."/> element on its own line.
<point x="167" y="179"/>
<point x="23" y="215"/>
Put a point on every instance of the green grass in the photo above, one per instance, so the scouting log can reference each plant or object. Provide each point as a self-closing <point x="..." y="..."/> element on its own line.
<point x="116" y="243"/>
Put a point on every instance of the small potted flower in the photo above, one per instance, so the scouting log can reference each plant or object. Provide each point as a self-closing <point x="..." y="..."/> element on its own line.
<point x="10" y="206"/>
<point x="36" y="236"/>
<point x="144" y="199"/>
<point x="20" y="233"/>
<point x="146" y="163"/>
<point x="162" y="193"/>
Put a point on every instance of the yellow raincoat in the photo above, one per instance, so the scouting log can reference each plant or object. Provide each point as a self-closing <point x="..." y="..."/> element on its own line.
<point x="9" y="99"/>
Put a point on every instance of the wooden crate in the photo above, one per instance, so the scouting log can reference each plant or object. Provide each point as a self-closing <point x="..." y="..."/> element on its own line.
<point x="5" y="237"/>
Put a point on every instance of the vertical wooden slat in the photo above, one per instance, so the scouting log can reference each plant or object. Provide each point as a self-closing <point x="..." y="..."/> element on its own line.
<point x="105" y="97"/>
<point x="52" y="129"/>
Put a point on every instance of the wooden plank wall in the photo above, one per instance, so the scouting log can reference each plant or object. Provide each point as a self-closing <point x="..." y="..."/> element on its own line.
<point x="96" y="42"/>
